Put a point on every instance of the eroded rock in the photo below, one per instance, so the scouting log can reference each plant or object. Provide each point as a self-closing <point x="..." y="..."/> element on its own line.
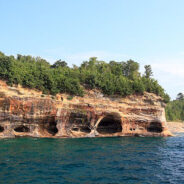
<point x="26" y="112"/>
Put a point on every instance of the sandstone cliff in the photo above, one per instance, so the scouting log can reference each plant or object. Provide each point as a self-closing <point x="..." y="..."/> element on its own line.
<point x="25" y="112"/>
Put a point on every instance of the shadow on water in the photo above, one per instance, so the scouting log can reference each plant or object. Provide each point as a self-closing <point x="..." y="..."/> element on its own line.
<point x="92" y="160"/>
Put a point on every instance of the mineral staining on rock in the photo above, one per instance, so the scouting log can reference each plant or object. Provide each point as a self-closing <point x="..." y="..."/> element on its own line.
<point x="26" y="112"/>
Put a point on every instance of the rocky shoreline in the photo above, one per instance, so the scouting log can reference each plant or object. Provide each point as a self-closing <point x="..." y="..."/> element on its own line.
<point x="176" y="127"/>
<point x="25" y="112"/>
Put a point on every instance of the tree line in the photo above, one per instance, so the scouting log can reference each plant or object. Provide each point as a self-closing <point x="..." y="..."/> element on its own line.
<point x="113" y="78"/>
<point x="175" y="109"/>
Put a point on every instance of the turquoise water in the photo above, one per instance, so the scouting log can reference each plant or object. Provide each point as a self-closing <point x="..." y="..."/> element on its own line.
<point x="126" y="160"/>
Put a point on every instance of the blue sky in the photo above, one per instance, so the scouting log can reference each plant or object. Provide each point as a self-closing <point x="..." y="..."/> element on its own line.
<point x="148" y="31"/>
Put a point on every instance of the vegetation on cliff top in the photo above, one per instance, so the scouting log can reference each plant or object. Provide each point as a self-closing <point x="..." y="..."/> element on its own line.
<point x="121" y="78"/>
<point x="175" y="109"/>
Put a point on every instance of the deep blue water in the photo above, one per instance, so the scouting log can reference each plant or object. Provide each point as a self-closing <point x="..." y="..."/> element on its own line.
<point x="126" y="160"/>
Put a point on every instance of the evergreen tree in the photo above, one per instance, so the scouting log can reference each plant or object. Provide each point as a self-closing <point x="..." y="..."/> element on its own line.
<point x="180" y="96"/>
<point x="148" y="71"/>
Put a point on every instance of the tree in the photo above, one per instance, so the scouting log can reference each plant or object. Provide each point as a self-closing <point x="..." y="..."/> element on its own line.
<point x="180" y="96"/>
<point x="175" y="110"/>
<point x="138" y="86"/>
<point x="59" y="63"/>
<point x="166" y="98"/>
<point x="114" y="78"/>
<point x="148" y="71"/>
<point x="131" y="69"/>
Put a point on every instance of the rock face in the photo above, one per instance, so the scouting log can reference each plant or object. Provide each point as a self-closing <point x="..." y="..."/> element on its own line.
<point x="25" y="112"/>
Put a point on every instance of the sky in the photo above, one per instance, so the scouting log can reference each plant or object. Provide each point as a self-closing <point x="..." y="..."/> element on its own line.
<point x="147" y="31"/>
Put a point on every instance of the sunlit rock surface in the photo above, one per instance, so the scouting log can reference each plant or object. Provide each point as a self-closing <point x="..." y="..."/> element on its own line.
<point x="25" y="112"/>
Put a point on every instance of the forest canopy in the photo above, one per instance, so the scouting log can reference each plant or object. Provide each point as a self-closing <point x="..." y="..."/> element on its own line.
<point x="175" y="109"/>
<point x="113" y="78"/>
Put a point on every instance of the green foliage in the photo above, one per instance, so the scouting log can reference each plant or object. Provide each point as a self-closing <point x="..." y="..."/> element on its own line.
<point x="59" y="63"/>
<point x="166" y="98"/>
<point x="114" y="78"/>
<point x="180" y="96"/>
<point x="148" y="71"/>
<point x="131" y="69"/>
<point x="175" y="110"/>
<point x="69" y="97"/>
<point x="124" y="86"/>
<point x="138" y="86"/>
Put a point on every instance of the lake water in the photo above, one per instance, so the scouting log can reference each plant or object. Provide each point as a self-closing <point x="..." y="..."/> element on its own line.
<point x="122" y="160"/>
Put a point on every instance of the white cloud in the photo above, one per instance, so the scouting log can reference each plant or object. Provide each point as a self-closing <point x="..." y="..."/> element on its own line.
<point x="170" y="74"/>
<point x="181" y="53"/>
<point x="172" y="69"/>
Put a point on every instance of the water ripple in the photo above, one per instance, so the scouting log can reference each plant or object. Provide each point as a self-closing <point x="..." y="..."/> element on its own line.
<point x="92" y="160"/>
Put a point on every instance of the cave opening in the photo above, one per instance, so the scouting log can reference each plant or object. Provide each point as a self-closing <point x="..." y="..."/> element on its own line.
<point x="155" y="127"/>
<point x="52" y="128"/>
<point x="75" y="129"/>
<point x="82" y="129"/>
<point x="85" y="129"/>
<point x="22" y="128"/>
<point x="79" y="122"/>
<point x="1" y="129"/>
<point x="109" y="125"/>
